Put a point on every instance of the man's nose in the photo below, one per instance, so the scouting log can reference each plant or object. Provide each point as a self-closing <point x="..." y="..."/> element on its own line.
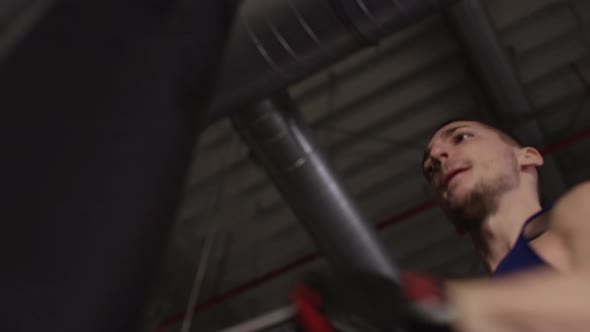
<point x="439" y="152"/>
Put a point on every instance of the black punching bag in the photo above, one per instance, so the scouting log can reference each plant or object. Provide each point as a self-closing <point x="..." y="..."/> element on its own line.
<point x="100" y="104"/>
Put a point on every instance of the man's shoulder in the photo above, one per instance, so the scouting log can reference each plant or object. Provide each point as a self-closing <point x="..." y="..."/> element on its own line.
<point x="570" y="213"/>
<point x="581" y="189"/>
<point x="572" y="210"/>
<point x="569" y="226"/>
<point x="561" y="232"/>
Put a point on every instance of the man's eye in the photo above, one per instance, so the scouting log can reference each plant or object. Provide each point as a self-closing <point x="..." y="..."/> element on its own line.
<point x="461" y="137"/>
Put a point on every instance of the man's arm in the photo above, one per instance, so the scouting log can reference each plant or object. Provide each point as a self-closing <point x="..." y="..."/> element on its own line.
<point x="537" y="300"/>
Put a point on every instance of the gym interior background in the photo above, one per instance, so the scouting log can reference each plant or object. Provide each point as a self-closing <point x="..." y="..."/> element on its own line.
<point x="238" y="247"/>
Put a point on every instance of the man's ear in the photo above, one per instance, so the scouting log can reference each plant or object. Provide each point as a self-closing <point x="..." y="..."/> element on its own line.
<point x="530" y="156"/>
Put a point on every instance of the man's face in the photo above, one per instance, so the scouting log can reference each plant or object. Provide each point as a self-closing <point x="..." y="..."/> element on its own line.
<point x="469" y="165"/>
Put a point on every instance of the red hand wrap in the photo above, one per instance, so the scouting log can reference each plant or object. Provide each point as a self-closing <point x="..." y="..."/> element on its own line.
<point x="421" y="288"/>
<point x="307" y="302"/>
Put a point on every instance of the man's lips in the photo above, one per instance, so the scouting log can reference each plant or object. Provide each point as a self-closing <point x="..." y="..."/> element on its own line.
<point x="450" y="175"/>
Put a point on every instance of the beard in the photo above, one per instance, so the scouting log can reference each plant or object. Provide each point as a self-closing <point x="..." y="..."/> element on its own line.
<point x="469" y="213"/>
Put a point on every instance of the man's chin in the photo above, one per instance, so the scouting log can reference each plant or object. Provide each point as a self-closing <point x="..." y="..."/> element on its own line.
<point x="456" y="200"/>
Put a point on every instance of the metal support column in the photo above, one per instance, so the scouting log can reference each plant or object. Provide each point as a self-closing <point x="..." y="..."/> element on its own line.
<point x="286" y="148"/>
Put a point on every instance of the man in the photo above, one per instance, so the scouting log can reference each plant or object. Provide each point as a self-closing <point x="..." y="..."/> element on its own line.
<point x="487" y="184"/>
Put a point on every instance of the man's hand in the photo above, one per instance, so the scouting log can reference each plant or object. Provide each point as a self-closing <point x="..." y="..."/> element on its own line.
<point x="472" y="310"/>
<point x="536" y="301"/>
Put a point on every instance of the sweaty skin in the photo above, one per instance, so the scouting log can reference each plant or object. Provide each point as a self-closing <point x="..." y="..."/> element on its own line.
<point x="487" y="184"/>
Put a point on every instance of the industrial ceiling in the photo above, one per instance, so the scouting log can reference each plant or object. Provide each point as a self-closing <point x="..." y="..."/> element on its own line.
<point x="372" y="113"/>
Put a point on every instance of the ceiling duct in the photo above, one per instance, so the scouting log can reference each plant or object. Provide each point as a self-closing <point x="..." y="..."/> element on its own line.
<point x="277" y="43"/>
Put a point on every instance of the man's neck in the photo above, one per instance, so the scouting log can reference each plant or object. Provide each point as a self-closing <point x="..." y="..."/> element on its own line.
<point x="501" y="230"/>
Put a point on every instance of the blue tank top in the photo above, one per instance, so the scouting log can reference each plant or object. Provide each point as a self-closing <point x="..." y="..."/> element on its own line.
<point x="521" y="256"/>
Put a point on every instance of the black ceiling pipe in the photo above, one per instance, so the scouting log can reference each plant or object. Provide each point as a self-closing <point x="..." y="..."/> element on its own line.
<point x="276" y="43"/>
<point x="285" y="146"/>
<point x="498" y="80"/>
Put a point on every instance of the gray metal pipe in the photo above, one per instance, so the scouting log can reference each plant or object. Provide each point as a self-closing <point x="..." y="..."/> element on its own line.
<point x="286" y="148"/>
<point x="500" y="83"/>
<point x="277" y="43"/>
